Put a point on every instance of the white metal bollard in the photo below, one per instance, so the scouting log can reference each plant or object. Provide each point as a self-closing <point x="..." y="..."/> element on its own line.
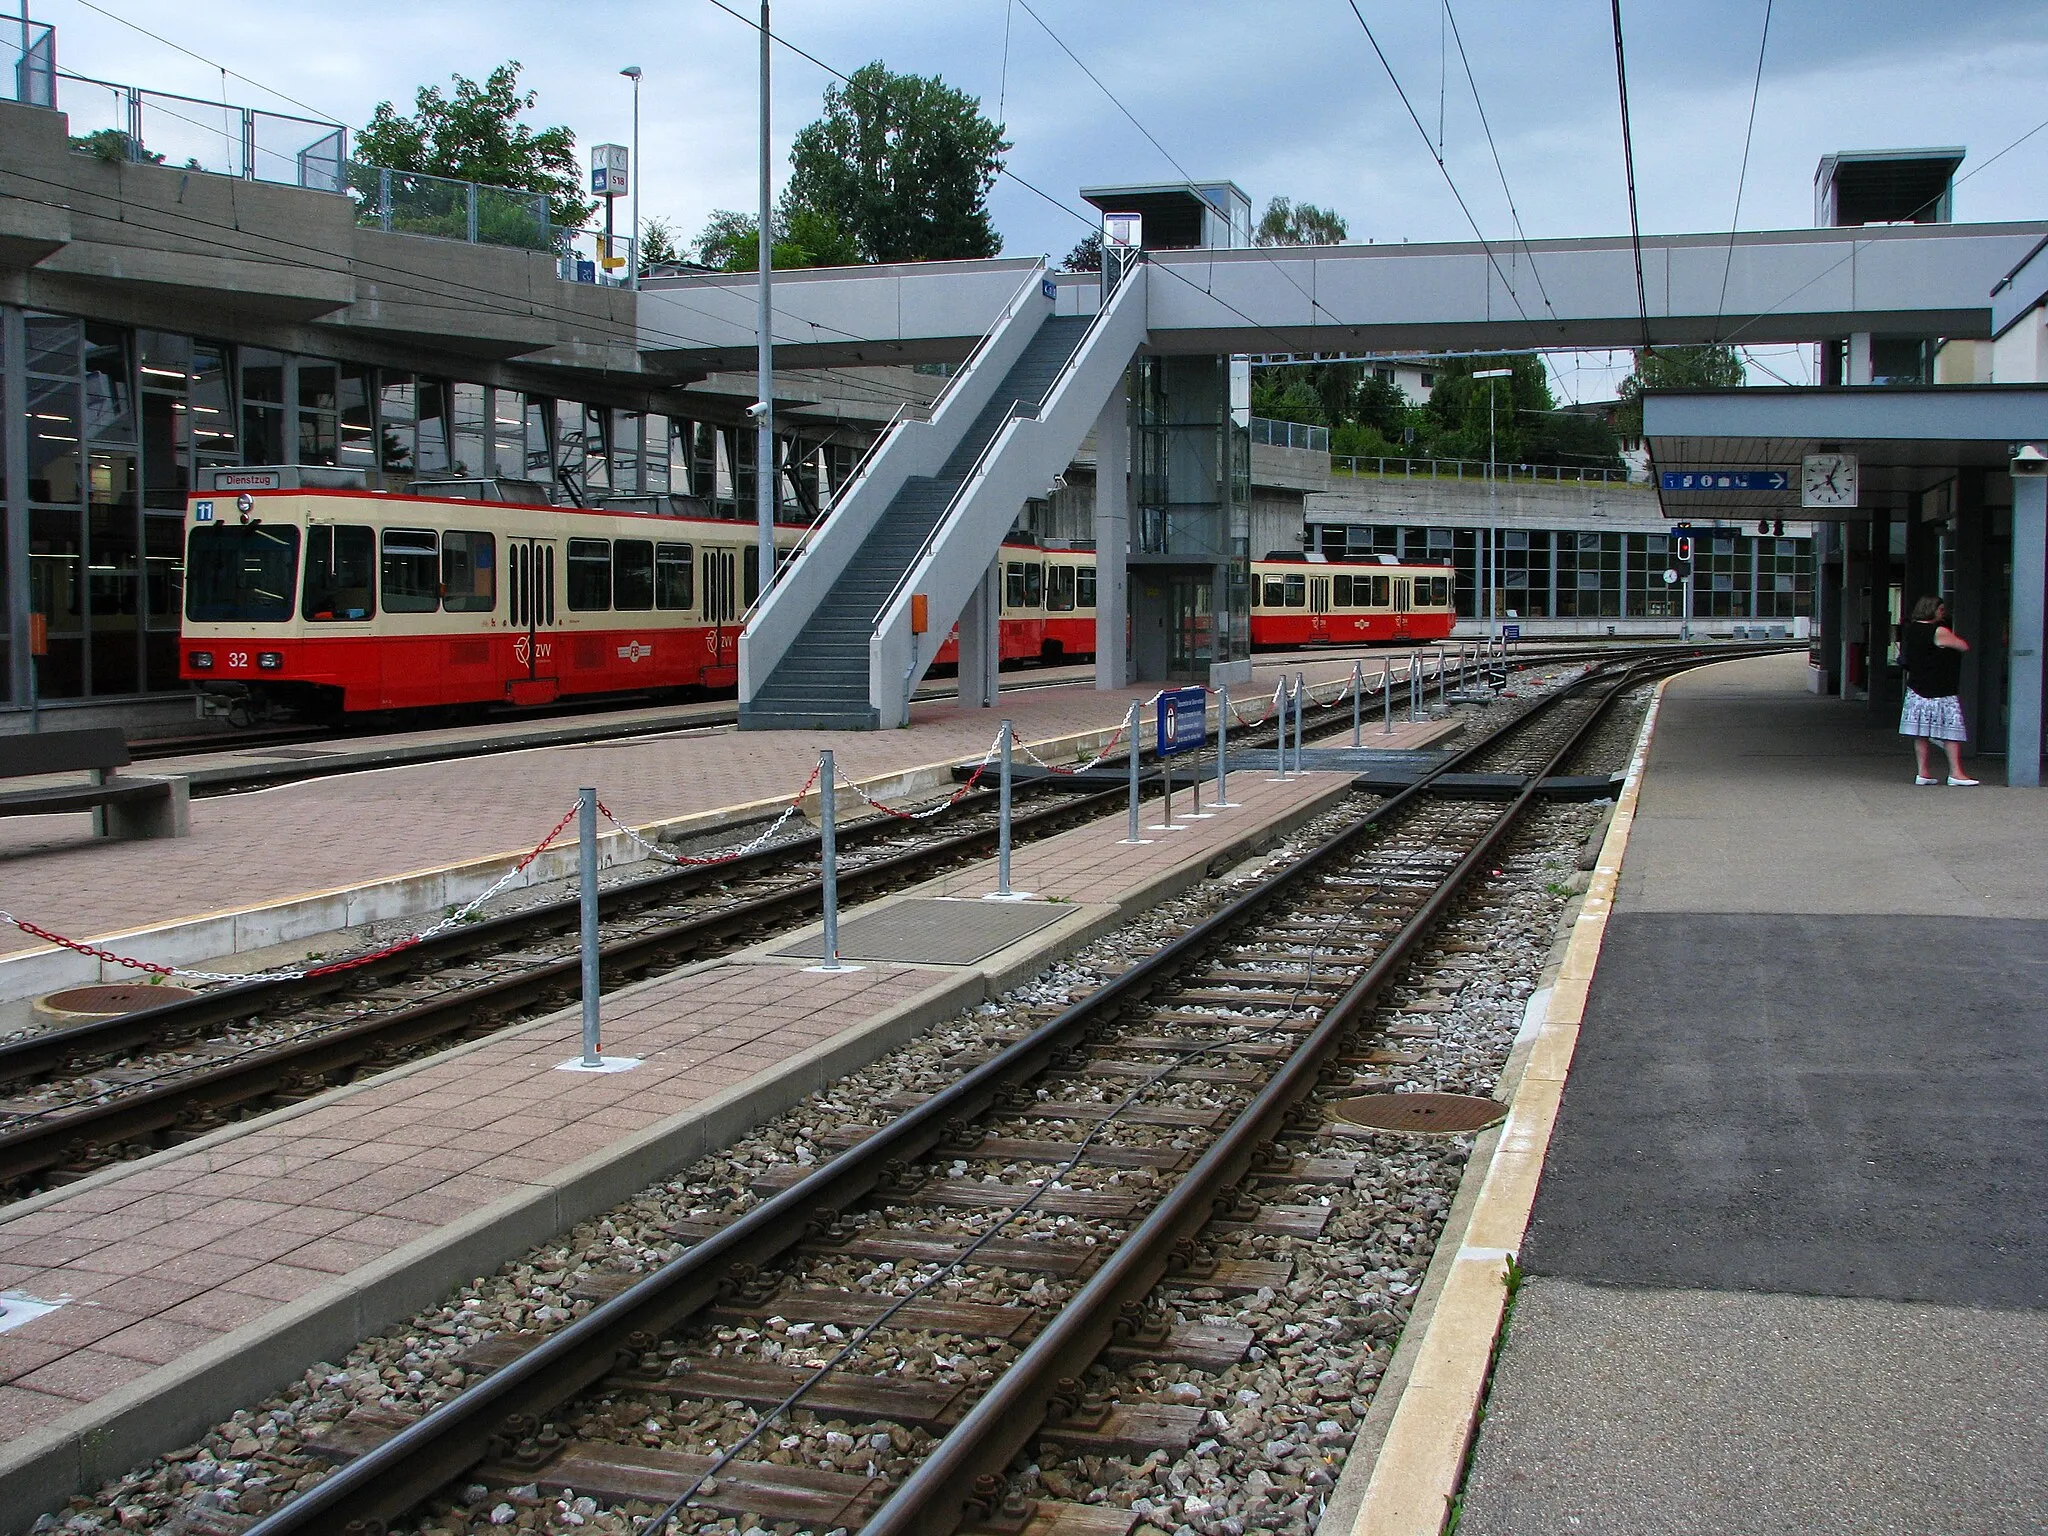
<point x="1387" y="697"/>
<point x="1300" y="699"/>
<point x="828" y="858"/>
<point x="1357" y="703"/>
<point x="1136" y="709"/>
<point x="1003" y="815"/>
<point x="1223" y="800"/>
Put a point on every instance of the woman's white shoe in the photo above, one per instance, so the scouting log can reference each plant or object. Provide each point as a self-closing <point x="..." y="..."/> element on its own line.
<point x="1964" y="783"/>
<point x="1918" y="780"/>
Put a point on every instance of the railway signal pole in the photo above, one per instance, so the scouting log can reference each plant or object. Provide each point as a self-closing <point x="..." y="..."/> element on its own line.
<point x="1486" y="572"/>
<point x="763" y="410"/>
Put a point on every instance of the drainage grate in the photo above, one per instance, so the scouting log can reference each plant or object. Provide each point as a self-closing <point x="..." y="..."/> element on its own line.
<point x="929" y="930"/>
<point x="1440" y="1114"/>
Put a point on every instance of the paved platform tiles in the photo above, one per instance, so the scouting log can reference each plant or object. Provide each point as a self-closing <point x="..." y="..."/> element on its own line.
<point x="205" y="1275"/>
<point x="1785" y="1271"/>
<point x="399" y="834"/>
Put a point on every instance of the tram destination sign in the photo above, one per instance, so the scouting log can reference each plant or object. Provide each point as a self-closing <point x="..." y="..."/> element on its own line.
<point x="1725" y="480"/>
<point x="1183" y="720"/>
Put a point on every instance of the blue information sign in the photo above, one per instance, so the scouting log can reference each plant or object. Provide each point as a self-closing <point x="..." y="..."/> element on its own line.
<point x="1726" y="479"/>
<point x="1511" y="631"/>
<point x="1183" y="720"/>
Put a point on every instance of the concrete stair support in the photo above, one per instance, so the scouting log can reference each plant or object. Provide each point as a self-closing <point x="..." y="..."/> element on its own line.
<point x="1027" y="449"/>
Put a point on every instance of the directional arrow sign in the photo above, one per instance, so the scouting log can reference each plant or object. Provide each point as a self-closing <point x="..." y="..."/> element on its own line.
<point x="1725" y="479"/>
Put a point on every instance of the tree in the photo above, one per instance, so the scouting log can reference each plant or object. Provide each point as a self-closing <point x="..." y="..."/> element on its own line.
<point x="475" y="135"/>
<point x="1281" y="399"/>
<point x="1086" y="256"/>
<point x="657" y="245"/>
<point x="114" y="146"/>
<point x="903" y="164"/>
<point x="1710" y="367"/>
<point x="804" y="237"/>
<point x="1287" y="223"/>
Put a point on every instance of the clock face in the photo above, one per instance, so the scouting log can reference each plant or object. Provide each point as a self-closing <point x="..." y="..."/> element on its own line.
<point x="1828" y="480"/>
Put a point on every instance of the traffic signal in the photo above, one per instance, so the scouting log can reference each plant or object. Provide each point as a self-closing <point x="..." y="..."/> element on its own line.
<point x="1682" y="552"/>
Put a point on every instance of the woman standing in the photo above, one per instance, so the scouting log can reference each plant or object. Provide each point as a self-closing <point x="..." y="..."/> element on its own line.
<point x="1934" y="672"/>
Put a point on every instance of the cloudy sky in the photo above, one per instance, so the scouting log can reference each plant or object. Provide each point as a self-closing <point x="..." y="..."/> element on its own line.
<point x="1283" y="96"/>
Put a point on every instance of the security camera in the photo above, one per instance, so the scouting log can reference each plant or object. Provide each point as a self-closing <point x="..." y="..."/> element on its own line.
<point x="758" y="411"/>
<point x="2028" y="459"/>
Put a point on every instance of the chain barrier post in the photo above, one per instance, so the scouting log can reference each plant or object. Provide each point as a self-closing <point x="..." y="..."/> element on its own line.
<point x="1003" y="815"/>
<point x="1415" y="687"/>
<point x="1387" y="697"/>
<point x="1357" y="703"/>
<point x="586" y="863"/>
<point x="828" y="856"/>
<point x="1197" y="814"/>
<point x="1223" y="800"/>
<point x="1300" y="699"/>
<point x="1136" y="709"/>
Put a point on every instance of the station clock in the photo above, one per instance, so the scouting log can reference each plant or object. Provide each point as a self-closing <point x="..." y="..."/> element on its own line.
<point x="1828" y="480"/>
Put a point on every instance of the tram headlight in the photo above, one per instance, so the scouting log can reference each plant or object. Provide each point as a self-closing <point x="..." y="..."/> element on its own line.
<point x="200" y="661"/>
<point x="270" y="661"/>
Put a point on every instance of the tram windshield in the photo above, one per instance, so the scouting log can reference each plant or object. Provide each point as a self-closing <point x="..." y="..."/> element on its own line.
<point x="236" y="573"/>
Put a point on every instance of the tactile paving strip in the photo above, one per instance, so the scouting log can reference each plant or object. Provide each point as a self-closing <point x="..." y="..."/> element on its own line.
<point x="928" y="930"/>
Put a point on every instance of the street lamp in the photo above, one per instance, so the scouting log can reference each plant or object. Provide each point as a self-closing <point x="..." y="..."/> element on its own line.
<point x="632" y="73"/>
<point x="1493" y="502"/>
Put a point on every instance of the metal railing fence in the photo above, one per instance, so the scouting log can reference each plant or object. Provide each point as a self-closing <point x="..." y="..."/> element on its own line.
<point x="1290" y="434"/>
<point x="1473" y="469"/>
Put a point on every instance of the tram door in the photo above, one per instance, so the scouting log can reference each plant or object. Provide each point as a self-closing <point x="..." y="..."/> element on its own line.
<point x="1319" y="607"/>
<point x="530" y="596"/>
<point x="722" y="606"/>
<point x="1404" y="603"/>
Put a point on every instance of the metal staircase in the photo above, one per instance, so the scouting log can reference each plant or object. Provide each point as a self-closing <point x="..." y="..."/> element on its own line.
<point x="822" y="677"/>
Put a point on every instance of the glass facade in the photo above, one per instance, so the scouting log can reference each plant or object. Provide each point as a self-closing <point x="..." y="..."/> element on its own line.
<point x="119" y="422"/>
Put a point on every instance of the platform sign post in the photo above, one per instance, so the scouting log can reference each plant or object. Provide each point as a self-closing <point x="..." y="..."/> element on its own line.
<point x="1183" y="727"/>
<point x="1132" y="728"/>
<point x="828" y="859"/>
<point x="1357" y="703"/>
<point x="586" y="863"/>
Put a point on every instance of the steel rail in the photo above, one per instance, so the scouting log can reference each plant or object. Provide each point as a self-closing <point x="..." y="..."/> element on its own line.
<point x="398" y="1474"/>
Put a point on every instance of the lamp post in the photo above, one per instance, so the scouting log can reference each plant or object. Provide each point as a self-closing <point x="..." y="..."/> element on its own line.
<point x="632" y="73"/>
<point x="1492" y="501"/>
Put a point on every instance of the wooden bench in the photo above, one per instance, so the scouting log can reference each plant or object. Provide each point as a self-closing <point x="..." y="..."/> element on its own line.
<point x="136" y="807"/>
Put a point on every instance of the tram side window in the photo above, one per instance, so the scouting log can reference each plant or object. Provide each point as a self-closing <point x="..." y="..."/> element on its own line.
<point x="469" y="571"/>
<point x="1297" y="591"/>
<point x="674" y="576"/>
<point x="1084" y="587"/>
<point x="1059" y="589"/>
<point x="1340" y="591"/>
<point x="341" y="567"/>
<point x="1023" y="584"/>
<point x="1382" y="591"/>
<point x="1274" y="594"/>
<point x="1439" y="591"/>
<point x="411" y="571"/>
<point x="633" y="575"/>
<point x="590" y="575"/>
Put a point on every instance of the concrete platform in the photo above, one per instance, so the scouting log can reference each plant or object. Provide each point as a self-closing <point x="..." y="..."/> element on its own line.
<point x="300" y="860"/>
<point x="1784" y="1272"/>
<point x="202" y="1277"/>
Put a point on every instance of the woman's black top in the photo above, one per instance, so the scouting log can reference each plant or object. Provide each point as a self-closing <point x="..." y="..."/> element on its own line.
<point x="1933" y="671"/>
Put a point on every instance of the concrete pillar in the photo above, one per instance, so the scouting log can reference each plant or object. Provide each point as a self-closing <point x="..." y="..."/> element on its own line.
<point x="2029" y="583"/>
<point x="981" y="645"/>
<point x="1971" y="604"/>
<point x="1113" y="539"/>
<point x="14" y="497"/>
<point x="1859" y="358"/>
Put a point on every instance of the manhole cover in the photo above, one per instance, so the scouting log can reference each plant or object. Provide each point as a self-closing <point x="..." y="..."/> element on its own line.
<point x="1440" y="1113"/>
<point x="108" y="999"/>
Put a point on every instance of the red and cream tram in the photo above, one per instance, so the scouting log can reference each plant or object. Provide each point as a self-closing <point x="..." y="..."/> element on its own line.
<point x="309" y="593"/>
<point x="1302" y="600"/>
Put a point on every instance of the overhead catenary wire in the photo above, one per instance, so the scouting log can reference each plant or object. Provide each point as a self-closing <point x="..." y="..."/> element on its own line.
<point x="1742" y="176"/>
<point x="1628" y="160"/>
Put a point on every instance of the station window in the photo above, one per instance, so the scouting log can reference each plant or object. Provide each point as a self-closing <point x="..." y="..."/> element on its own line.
<point x="1084" y="587"/>
<point x="341" y="573"/>
<point x="411" y="571"/>
<point x="673" y="576"/>
<point x="633" y="575"/>
<point x="469" y="571"/>
<point x="590" y="575"/>
<point x="1024" y="584"/>
<point x="1059" y="589"/>
<point x="1297" y="591"/>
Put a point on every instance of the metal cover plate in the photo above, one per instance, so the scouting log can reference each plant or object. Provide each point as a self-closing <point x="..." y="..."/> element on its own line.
<point x="109" y="998"/>
<point x="928" y="930"/>
<point x="1438" y="1114"/>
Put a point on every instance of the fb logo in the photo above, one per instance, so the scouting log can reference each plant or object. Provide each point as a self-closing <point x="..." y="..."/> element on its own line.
<point x="633" y="650"/>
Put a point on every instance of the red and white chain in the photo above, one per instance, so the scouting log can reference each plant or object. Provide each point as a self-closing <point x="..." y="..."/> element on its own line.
<point x="994" y="750"/>
<point x="724" y="856"/>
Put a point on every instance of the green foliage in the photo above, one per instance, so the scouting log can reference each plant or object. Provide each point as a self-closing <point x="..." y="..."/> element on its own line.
<point x="1086" y="256"/>
<point x="1284" y="399"/>
<point x="1289" y="223"/>
<point x="475" y="135"/>
<point x="658" y="245"/>
<point x="114" y="147"/>
<point x="804" y="237"/>
<point x="1710" y="367"/>
<point x="902" y="164"/>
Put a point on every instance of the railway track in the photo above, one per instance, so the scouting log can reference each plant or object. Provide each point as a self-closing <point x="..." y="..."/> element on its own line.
<point x="1079" y="1165"/>
<point x="90" y="1094"/>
